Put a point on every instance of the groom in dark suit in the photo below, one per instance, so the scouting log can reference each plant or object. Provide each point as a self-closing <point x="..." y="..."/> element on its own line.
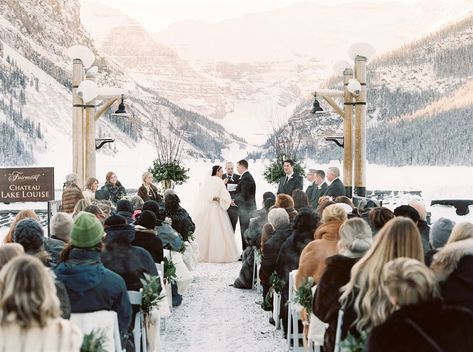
<point x="245" y="198"/>
<point x="290" y="182"/>
<point x="231" y="180"/>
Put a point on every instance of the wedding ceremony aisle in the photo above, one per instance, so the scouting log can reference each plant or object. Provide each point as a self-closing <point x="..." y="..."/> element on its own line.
<point x="217" y="317"/>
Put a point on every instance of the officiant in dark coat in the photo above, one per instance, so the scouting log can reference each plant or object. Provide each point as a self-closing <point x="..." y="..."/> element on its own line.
<point x="290" y="182"/>
<point x="231" y="180"/>
<point x="245" y="198"/>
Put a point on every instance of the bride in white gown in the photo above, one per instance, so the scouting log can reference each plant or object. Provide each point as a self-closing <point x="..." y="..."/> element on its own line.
<point x="213" y="229"/>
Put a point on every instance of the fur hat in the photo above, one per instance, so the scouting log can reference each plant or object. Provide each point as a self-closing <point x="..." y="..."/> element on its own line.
<point x="114" y="220"/>
<point x="87" y="231"/>
<point x="147" y="219"/>
<point x="408" y="212"/>
<point x="61" y="226"/>
<point x="440" y="232"/>
<point x="29" y="234"/>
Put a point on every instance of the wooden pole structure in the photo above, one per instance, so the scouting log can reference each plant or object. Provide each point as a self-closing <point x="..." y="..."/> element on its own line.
<point x="77" y="121"/>
<point x="348" y="135"/>
<point x="360" y="128"/>
<point x="89" y="134"/>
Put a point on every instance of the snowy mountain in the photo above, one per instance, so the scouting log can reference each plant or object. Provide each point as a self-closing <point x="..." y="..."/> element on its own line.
<point x="419" y="104"/>
<point x="35" y="99"/>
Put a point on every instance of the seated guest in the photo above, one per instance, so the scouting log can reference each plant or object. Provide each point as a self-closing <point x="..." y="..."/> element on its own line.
<point x="412" y="213"/>
<point x="30" y="315"/>
<point x="23" y="214"/>
<point x="114" y="188"/>
<point x="169" y="237"/>
<point x="90" y="188"/>
<point x="181" y="221"/>
<point x="91" y="286"/>
<point x="453" y="268"/>
<point x="8" y="251"/>
<point x="121" y="257"/>
<point x="378" y="217"/>
<point x="137" y="205"/>
<point x="71" y="193"/>
<point x="364" y="301"/>
<point x="145" y="236"/>
<point x="439" y="234"/>
<point x="286" y="202"/>
<point x="60" y="227"/>
<point x="253" y="238"/>
<point x="460" y="232"/>
<point x="81" y="205"/>
<point x="355" y="240"/>
<point x="419" y="320"/>
<point x="125" y="209"/>
<point x="279" y="222"/>
<point x="300" y="199"/>
<point x="147" y="190"/>
<point x="324" y="245"/>
<point x="304" y="226"/>
<point x="97" y="211"/>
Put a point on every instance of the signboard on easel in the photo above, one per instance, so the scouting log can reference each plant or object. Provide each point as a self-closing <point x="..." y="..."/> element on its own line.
<point x="26" y="184"/>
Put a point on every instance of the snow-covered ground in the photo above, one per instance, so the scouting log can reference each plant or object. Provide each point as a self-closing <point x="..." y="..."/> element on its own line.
<point x="217" y="317"/>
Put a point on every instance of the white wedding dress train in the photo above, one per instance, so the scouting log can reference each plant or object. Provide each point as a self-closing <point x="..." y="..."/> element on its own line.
<point x="213" y="229"/>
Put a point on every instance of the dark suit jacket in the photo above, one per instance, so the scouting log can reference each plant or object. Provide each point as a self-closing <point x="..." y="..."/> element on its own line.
<point x="295" y="182"/>
<point x="335" y="189"/>
<point x="315" y="193"/>
<point x="311" y="192"/>
<point x="245" y="193"/>
<point x="235" y="179"/>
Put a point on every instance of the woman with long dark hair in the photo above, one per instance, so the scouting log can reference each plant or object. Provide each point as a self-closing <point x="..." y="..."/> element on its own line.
<point x="214" y="231"/>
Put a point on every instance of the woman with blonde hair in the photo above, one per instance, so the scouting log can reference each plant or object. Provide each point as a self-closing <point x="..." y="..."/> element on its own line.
<point x="90" y="188"/>
<point x="24" y="214"/>
<point x="366" y="304"/>
<point x="148" y="191"/>
<point x="460" y="232"/>
<point x="80" y="206"/>
<point x="420" y="318"/>
<point x="324" y="245"/>
<point x="8" y="251"/>
<point x="29" y="310"/>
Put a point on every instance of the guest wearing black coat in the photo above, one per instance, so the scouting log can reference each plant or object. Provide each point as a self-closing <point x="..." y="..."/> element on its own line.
<point x="145" y="236"/>
<point x="181" y="220"/>
<point x="125" y="209"/>
<point x="121" y="257"/>
<point x="304" y="226"/>
<point x="421" y="322"/>
<point x="336" y="187"/>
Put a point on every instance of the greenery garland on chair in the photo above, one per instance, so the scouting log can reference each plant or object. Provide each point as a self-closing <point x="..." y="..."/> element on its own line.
<point x="94" y="341"/>
<point x="276" y="287"/>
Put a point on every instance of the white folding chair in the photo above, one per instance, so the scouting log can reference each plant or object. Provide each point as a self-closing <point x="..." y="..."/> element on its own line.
<point x="293" y="318"/>
<point x="105" y="320"/>
<point x="256" y="282"/>
<point x="317" y="328"/>
<point x="338" y="335"/>
<point x="160" y="268"/>
<point x="139" y="331"/>
<point x="277" y="310"/>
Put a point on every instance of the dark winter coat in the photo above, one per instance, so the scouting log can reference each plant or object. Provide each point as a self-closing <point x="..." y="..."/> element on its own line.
<point x="64" y="302"/>
<point x="71" y="194"/>
<point x="148" y="240"/>
<point x="116" y="192"/>
<point x="253" y="238"/>
<point x="325" y="303"/>
<point x="151" y="194"/>
<point x="453" y="267"/>
<point x="127" y="215"/>
<point x="128" y="261"/>
<point x="92" y="287"/>
<point x="429" y="257"/>
<point x="424" y="230"/>
<point x="424" y="327"/>
<point x="271" y="251"/>
<point x="288" y="258"/>
<point x="54" y="248"/>
<point x="181" y="220"/>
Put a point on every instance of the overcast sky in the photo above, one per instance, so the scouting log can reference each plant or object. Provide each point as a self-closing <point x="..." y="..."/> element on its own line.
<point x="156" y="15"/>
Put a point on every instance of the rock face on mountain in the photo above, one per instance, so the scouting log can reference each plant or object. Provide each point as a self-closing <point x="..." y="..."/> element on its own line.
<point x="35" y="86"/>
<point x="419" y="103"/>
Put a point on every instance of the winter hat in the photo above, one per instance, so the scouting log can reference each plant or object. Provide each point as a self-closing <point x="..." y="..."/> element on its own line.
<point x="408" y="212"/>
<point x="124" y="205"/>
<point x="147" y="219"/>
<point x="114" y="220"/>
<point x="61" y="226"/>
<point x="87" y="231"/>
<point x="268" y="195"/>
<point x="440" y="232"/>
<point x="102" y="194"/>
<point x="152" y="206"/>
<point x="29" y="234"/>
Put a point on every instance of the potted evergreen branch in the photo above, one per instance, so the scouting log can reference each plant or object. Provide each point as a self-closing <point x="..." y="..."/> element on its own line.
<point x="94" y="341"/>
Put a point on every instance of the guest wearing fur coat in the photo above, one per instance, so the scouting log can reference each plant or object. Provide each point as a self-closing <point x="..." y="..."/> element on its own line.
<point x="312" y="260"/>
